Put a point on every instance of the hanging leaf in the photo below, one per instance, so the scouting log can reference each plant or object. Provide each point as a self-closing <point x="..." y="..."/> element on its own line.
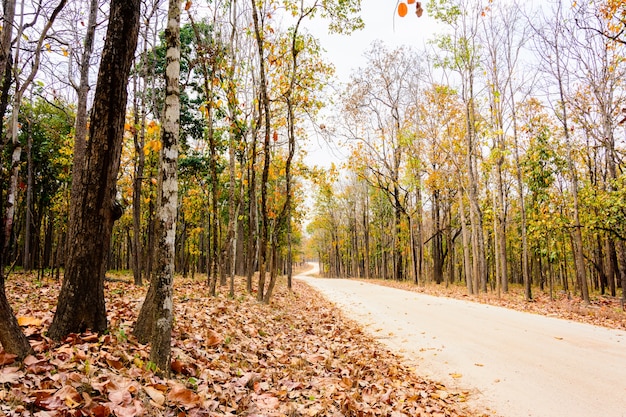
<point x="402" y="9"/>
<point x="418" y="9"/>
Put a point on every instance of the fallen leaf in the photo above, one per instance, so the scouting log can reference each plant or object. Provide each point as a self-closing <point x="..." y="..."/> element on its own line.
<point x="7" y="358"/>
<point x="10" y="375"/>
<point x="29" y="321"/>
<point x="69" y="396"/>
<point x="156" y="395"/>
<point x="184" y="396"/>
<point x="213" y="338"/>
<point x="101" y="411"/>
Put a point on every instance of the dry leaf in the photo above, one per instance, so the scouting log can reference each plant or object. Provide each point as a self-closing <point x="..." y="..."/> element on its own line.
<point x="156" y="395"/>
<point x="7" y="358"/>
<point x="10" y="375"/>
<point x="29" y="321"/>
<point x="213" y="339"/>
<point x="184" y="396"/>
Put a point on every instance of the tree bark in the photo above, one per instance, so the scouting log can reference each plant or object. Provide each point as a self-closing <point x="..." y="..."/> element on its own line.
<point x="81" y="300"/>
<point x="6" y="36"/>
<point x="12" y="338"/>
<point x="80" y="127"/>
<point x="161" y="336"/>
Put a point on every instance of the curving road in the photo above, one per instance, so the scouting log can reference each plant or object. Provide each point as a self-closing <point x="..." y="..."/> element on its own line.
<point x="516" y="364"/>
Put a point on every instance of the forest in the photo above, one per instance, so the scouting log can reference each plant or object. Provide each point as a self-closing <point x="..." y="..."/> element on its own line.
<point x="492" y="157"/>
<point x="150" y="139"/>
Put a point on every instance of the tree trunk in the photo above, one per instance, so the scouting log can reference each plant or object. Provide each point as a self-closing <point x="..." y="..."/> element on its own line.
<point x="161" y="336"/>
<point x="611" y="264"/>
<point x="81" y="300"/>
<point x="27" y="262"/>
<point x="467" y="262"/>
<point x="264" y="105"/>
<point x="520" y="189"/>
<point x="12" y="338"/>
<point x="82" y="90"/>
<point x="6" y="37"/>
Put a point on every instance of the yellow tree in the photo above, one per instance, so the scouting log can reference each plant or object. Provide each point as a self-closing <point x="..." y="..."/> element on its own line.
<point x="440" y="127"/>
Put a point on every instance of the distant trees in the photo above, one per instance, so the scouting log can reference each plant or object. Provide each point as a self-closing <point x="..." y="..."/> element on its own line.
<point x="510" y="166"/>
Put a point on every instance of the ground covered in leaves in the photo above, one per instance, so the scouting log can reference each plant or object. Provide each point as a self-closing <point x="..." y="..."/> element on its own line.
<point x="603" y="310"/>
<point x="296" y="357"/>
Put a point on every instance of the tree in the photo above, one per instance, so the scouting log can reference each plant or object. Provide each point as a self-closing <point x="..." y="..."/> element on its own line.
<point x="161" y="307"/>
<point x="462" y="54"/>
<point x="81" y="300"/>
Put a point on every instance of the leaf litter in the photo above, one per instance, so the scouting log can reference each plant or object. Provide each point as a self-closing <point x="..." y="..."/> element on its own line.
<point x="297" y="357"/>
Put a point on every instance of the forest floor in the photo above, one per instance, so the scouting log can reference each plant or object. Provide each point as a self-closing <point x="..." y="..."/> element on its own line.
<point x="603" y="310"/>
<point x="298" y="356"/>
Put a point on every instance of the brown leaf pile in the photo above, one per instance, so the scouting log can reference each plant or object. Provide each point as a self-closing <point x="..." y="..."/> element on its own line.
<point x="603" y="311"/>
<point x="297" y="357"/>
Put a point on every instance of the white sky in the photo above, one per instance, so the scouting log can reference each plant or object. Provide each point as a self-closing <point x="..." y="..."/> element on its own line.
<point x="381" y="22"/>
<point x="346" y="51"/>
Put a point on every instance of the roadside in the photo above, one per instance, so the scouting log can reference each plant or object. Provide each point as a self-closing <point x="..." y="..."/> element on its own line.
<point x="604" y="310"/>
<point x="515" y="363"/>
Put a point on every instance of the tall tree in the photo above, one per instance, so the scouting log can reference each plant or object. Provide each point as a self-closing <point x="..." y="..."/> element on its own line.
<point x="462" y="54"/>
<point x="92" y="213"/>
<point x="167" y="204"/>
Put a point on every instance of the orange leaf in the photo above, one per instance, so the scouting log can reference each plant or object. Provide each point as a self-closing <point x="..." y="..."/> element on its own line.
<point x="183" y="396"/>
<point x="29" y="321"/>
<point x="402" y="9"/>
<point x="188" y="5"/>
<point x="212" y="338"/>
<point x="101" y="411"/>
<point x="7" y="358"/>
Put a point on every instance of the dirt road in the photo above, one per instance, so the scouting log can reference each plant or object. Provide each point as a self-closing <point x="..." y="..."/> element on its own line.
<point x="516" y="364"/>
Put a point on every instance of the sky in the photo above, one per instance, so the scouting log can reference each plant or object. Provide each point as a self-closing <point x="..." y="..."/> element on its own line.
<point x="381" y="22"/>
<point x="346" y="52"/>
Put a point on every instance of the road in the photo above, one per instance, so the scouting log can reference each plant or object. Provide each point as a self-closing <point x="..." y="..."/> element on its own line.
<point x="516" y="364"/>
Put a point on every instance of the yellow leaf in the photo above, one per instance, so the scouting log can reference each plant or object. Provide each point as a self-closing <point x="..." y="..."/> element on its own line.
<point x="29" y="321"/>
<point x="456" y="376"/>
<point x="65" y="52"/>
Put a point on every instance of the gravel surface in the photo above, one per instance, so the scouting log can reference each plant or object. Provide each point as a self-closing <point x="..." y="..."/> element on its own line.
<point x="515" y="364"/>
